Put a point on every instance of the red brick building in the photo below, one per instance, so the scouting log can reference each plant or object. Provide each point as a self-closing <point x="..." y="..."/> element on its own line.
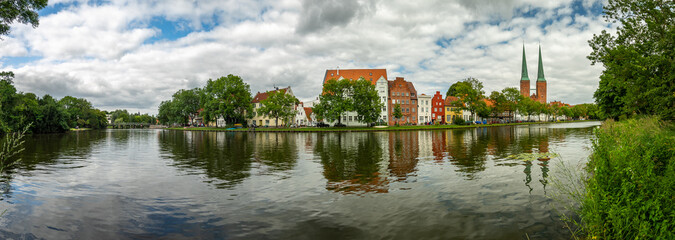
<point x="403" y="93"/>
<point x="437" y="111"/>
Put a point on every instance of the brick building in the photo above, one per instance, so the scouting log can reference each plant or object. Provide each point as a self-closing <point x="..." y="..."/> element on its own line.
<point x="403" y="93"/>
<point x="437" y="105"/>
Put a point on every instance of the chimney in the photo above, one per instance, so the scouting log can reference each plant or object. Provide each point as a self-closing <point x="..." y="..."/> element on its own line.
<point x="338" y="70"/>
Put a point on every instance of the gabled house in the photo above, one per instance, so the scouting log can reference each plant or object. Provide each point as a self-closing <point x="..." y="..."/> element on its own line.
<point x="260" y="119"/>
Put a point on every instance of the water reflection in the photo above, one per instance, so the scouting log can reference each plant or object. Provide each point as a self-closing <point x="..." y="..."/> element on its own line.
<point x="352" y="162"/>
<point x="225" y="157"/>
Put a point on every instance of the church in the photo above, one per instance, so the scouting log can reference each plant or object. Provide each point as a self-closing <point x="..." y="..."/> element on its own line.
<point x="540" y="94"/>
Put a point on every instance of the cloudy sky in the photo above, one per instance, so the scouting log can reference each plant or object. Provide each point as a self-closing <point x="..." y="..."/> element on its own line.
<point x="133" y="54"/>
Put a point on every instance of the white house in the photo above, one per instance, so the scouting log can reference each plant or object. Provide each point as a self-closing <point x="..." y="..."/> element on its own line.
<point x="377" y="77"/>
<point x="424" y="108"/>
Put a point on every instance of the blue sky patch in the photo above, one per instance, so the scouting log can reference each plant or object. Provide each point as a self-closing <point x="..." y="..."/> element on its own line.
<point x="18" y="61"/>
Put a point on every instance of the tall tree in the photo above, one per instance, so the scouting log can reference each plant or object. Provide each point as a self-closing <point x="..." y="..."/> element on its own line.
<point x="22" y="11"/>
<point x="8" y="97"/>
<point x="513" y="97"/>
<point x="53" y="118"/>
<point x="335" y="100"/>
<point x="638" y="60"/>
<point x="470" y="94"/>
<point x="499" y="103"/>
<point x="367" y="103"/>
<point x="188" y="103"/>
<point x="228" y="97"/>
<point x="77" y="109"/>
<point x="279" y="104"/>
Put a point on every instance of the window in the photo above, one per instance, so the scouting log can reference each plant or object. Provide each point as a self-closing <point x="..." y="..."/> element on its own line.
<point x="267" y="122"/>
<point x="344" y="118"/>
<point x="413" y="101"/>
<point x="413" y="109"/>
<point x="350" y="118"/>
<point x="371" y="74"/>
<point x="420" y="118"/>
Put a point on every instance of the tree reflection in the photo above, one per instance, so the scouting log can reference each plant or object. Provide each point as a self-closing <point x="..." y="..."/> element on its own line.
<point x="468" y="150"/>
<point x="221" y="156"/>
<point x="278" y="151"/>
<point x="49" y="149"/>
<point x="351" y="162"/>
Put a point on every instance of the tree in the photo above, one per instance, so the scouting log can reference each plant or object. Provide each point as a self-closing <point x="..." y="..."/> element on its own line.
<point x="528" y="106"/>
<point x="513" y="98"/>
<point x="278" y="104"/>
<point x="638" y="77"/>
<point x="22" y="11"/>
<point x="8" y="120"/>
<point x="187" y="104"/>
<point x="566" y="111"/>
<point x="228" y="97"/>
<point x="499" y="103"/>
<point x="369" y="104"/>
<point x="53" y="118"/>
<point x="335" y="100"/>
<point x="76" y="108"/>
<point x="470" y="94"/>
<point x="397" y="114"/>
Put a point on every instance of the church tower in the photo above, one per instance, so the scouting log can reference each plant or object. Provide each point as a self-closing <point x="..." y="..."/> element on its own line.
<point x="541" y="81"/>
<point x="524" y="79"/>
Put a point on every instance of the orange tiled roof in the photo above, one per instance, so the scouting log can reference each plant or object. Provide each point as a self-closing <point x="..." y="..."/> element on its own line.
<point x="308" y="113"/>
<point x="262" y="96"/>
<point x="369" y="74"/>
<point x="450" y="99"/>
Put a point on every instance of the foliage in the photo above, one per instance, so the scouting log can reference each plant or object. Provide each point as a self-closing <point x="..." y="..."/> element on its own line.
<point x="335" y="100"/>
<point x="638" y="60"/>
<point x="529" y="157"/>
<point x="80" y="113"/>
<point x="278" y="104"/>
<point x="186" y="103"/>
<point x="470" y="94"/>
<point x="228" y="97"/>
<point x="458" y="121"/>
<point x="22" y="11"/>
<point x="52" y="117"/>
<point x="369" y="105"/>
<point x="11" y="147"/>
<point x="397" y="114"/>
<point x="629" y="194"/>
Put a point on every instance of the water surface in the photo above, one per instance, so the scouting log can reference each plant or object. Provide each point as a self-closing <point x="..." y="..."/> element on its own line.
<point x="140" y="184"/>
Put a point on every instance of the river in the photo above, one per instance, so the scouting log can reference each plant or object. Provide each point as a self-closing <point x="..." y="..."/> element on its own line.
<point x="148" y="184"/>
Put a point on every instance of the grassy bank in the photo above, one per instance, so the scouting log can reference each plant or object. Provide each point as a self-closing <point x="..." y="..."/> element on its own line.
<point x="630" y="193"/>
<point x="361" y="129"/>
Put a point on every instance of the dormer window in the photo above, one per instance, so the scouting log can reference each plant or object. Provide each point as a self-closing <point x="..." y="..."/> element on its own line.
<point x="371" y="74"/>
<point x="331" y="74"/>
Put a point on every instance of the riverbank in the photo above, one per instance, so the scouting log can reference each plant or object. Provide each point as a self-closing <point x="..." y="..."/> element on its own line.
<point x="364" y="129"/>
<point x="631" y="184"/>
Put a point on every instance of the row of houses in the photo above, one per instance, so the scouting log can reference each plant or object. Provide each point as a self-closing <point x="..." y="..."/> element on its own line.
<point x="416" y="108"/>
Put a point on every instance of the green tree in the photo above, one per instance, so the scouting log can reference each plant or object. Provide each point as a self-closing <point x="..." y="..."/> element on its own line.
<point x="470" y="94"/>
<point x="397" y="114"/>
<point x="638" y="77"/>
<point x="278" y="104"/>
<point x="513" y="98"/>
<point x="335" y="100"/>
<point x="499" y="103"/>
<point x="528" y="106"/>
<point x="369" y="104"/>
<point x="228" y="97"/>
<point x="187" y="104"/>
<point x="77" y="108"/>
<point x="566" y="111"/>
<point x="8" y="98"/>
<point x="53" y="118"/>
<point x="22" y="11"/>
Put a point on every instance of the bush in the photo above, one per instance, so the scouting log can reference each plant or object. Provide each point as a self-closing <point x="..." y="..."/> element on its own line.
<point x="630" y="194"/>
<point x="458" y="121"/>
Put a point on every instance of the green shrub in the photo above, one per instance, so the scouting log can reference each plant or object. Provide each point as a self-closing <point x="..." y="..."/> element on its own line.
<point x="630" y="193"/>
<point x="458" y="121"/>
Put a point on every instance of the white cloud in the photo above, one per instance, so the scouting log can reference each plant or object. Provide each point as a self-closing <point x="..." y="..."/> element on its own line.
<point x="102" y="52"/>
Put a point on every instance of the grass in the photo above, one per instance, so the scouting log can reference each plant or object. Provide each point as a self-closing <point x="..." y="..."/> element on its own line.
<point x="630" y="187"/>
<point x="357" y="129"/>
<point x="80" y="129"/>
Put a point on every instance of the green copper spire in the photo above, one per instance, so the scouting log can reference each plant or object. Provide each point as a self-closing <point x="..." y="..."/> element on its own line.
<point x="523" y="75"/>
<point x="540" y="74"/>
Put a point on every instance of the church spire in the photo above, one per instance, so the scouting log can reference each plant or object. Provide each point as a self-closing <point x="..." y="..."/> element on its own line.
<point x="523" y="75"/>
<point x="540" y="73"/>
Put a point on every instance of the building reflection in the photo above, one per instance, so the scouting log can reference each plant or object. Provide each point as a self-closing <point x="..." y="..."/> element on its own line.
<point x="278" y="152"/>
<point x="352" y="162"/>
<point x="403" y="153"/>
<point x="467" y="150"/>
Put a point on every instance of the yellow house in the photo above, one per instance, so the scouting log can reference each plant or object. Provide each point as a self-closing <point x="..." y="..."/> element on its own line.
<point x="261" y="120"/>
<point x="451" y="109"/>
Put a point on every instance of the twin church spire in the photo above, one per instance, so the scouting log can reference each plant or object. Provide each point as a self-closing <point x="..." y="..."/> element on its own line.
<point x="540" y="73"/>
<point x="540" y="95"/>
